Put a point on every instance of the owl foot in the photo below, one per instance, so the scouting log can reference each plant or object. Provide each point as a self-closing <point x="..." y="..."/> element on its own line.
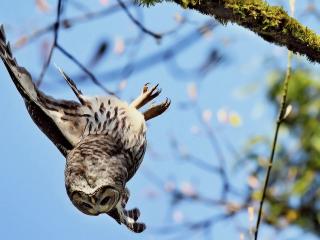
<point x="130" y="217"/>
<point x="157" y="110"/>
<point x="146" y="96"/>
<point x="130" y="220"/>
<point x="127" y="217"/>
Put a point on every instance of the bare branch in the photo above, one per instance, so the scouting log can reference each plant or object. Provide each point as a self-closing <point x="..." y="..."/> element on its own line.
<point x="90" y="74"/>
<point x="55" y="40"/>
<point x="69" y="22"/>
<point x="157" y="36"/>
<point x="281" y="117"/>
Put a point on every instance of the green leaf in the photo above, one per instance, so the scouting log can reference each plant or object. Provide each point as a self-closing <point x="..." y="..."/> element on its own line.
<point x="302" y="185"/>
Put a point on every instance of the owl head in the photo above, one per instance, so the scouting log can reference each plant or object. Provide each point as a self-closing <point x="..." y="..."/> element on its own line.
<point x="102" y="200"/>
<point x="95" y="180"/>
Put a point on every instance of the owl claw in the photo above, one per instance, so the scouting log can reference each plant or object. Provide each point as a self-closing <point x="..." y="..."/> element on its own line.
<point x="145" y="88"/>
<point x="133" y="213"/>
<point x="130" y="220"/>
<point x="157" y="110"/>
<point x="137" y="227"/>
<point x="146" y="96"/>
<point x="127" y="217"/>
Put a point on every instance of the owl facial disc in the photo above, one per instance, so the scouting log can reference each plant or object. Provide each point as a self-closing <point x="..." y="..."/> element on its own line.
<point x="101" y="201"/>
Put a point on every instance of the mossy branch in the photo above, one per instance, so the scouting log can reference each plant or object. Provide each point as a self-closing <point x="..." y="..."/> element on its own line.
<point x="272" y="23"/>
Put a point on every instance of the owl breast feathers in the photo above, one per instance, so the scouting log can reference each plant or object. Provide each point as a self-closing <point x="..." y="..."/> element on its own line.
<point x="102" y="138"/>
<point x="111" y="148"/>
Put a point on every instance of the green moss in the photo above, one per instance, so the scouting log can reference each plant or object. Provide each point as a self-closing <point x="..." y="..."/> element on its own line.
<point x="184" y="3"/>
<point x="304" y="34"/>
<point x="272" y="23"/>
<point x="270" y="17"/>
<point x="148" y="2"/>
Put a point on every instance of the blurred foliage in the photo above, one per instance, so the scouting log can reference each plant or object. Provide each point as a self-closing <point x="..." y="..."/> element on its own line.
<point x="293" y="195"/>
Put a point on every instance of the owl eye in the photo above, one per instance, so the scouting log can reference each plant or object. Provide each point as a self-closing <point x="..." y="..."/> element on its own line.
<point x="105" y="200"/>
<point x="86" y="205"/>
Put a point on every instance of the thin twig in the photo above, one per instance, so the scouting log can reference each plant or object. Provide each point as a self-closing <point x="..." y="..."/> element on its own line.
<point x="218" y="151"/>
<point x="163" y="55"/>
<point x="55" y="41"/>
<point x="66" y="23"/>
<point x="90" y="74"/>
<point x="157" y="36"/>
<point x="195" y="160"/>
<point x="280" y="119"/>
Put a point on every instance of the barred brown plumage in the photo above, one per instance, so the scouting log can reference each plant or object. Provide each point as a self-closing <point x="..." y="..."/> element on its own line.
<point x="103" y="139"/>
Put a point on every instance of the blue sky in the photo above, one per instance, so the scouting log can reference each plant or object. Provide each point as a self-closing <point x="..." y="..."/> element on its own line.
<point x="34" y="204"/>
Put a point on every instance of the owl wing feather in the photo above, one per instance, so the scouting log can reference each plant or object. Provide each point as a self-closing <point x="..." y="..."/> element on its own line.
<point x="52" y="116"/>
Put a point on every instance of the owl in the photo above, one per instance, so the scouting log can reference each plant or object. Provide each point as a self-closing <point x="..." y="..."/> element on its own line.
<point x="102" y="138"/>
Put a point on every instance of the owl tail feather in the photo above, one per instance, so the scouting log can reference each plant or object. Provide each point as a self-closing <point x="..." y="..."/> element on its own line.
<point x="19" y="75"/>
<point x="73" y="86"/>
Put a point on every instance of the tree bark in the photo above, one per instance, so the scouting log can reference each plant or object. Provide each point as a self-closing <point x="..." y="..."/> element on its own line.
<point x="271" y="23"/>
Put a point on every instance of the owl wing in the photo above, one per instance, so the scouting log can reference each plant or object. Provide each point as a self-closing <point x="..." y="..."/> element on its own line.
<point x="62" y="121"/>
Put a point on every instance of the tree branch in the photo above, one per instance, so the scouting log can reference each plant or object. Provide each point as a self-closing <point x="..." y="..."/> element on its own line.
<point x="55" y="41"/>
<point x="271" y="23"/>
<point x="157" y="36"/>
<point x="87" y="71"/>
<point x="282" y="115"/>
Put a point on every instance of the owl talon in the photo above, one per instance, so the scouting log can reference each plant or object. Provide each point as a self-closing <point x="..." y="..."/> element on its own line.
<point x="146" y="96"/>
<point x="137" y="227"/>
<point x="129" y="219"/>
<point x="134" y="226"/>
<point x="157" y="110"/>
<point x="133" y="213"/>
<point x="145" y="88"/>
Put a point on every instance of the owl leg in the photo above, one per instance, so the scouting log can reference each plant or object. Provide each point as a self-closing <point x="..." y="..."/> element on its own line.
<point x="125" y="197"/>
<point x="115" y="213"/>
<point x="146" y="96"/>
<point x="129" y="219"/>
<point x="131" y="216"/>
<point x="156" y="110"/>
